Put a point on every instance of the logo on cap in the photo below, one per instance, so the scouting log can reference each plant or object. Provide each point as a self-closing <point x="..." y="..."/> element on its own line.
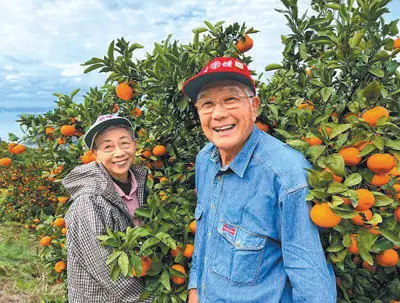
<point x="239" y="65"/>
<point x="227" y="63"/>
<point x="215" y="65"/>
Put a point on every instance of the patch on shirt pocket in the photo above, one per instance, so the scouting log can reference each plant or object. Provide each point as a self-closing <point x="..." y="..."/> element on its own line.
<point x="238" y="253"/>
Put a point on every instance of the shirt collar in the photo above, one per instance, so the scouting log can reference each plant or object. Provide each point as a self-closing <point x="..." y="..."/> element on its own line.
<point x="133" y="188"/>
<point x="242" y="159"/>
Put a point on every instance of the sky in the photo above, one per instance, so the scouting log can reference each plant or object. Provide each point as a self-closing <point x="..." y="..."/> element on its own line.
<point x="44" y="42"/>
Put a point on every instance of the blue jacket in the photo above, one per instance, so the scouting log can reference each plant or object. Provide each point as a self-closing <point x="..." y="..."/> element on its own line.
<point x="255" y="241"/>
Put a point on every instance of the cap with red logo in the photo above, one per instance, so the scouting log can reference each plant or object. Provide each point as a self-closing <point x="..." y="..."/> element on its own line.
<point x="218" y="69"/>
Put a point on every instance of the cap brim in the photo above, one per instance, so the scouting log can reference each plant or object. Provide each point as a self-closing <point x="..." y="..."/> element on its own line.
<point x="193" y="86"/>
<point x="91" y="134"/>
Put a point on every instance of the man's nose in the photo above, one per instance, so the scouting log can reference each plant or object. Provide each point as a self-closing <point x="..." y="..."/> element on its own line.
<point x="219" y="111"/>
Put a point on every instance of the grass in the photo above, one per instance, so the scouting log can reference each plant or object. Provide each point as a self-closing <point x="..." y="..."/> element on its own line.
<point x="23" y="277"/>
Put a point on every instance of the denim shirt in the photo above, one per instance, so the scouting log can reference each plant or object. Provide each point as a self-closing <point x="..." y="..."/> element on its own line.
<point x="255" y="241"/>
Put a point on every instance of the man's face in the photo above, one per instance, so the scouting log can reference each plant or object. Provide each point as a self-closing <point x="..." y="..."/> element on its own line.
<point x="228" y="128"/>
<point x="115" y="149"/>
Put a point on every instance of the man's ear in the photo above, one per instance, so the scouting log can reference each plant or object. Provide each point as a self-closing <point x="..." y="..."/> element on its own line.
<point x="254" y="106"/>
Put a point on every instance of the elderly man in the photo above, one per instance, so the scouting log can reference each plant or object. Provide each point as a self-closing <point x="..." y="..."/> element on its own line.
<point x="255" y="241"/>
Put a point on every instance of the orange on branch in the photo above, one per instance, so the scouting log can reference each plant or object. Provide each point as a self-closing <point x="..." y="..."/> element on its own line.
<point x="359" y="220"/>
<point x="380" y="179"/>
<point x="45" y="241"/>
<point x="5" y="162"/>
<point x="246" y="45"/>
<point x="350" y="155"/>
<point x="137" y="112"/>
<point x="59" y="222"/>
<point x="188" y="251"/>
<point x="68" y="130"/>
<point x="388" y="257"/>
<point x="365" y="199"/>
<point x="60" y="266"/>
<point x="322" y="215"/>
<point x="146" y="265"/>
<point x="178" y="280"/>
<point x="262" y="126"/>
<point x="192" y="226"/>
<point x="159" y="150"/>
<point x="372" y="115"/>
<point x="124" y="91"/>
<point x="381" y="163"/>
<point x="353" y="248"/>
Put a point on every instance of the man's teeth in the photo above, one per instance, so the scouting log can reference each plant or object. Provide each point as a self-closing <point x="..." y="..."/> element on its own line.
<point x="120" y="163"/>
<point x="224" y="128"/>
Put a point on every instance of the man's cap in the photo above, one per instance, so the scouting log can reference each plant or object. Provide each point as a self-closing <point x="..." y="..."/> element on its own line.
<point x="222" y="68"/>
<point x="101" y="123"/>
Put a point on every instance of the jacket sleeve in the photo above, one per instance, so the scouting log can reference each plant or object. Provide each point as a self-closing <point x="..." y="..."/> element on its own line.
<point x="85" y="222"/>
<point x="304" y="260"/>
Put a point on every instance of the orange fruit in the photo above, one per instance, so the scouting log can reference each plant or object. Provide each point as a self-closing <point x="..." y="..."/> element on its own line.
<point x="264" y="127"/>
<point x="157" y="164"/>
<point x="178" y="280"/>
<point x="147" y="153"/>
<point x="59" y="222"/>
<point x="368" y="267"/>
<point x="397" y="213"/>
<point x="305" y="106"/>
<point x="49" y="130"/>
<point x="322" y="215"/>
<point x="359" y="220"/>
<point x="394" y="172"/>
<point x="60" y="266"/>
<point x="5" y="162"/>
<point x="360" y="145"/>
<point x="335" y="177"/>
<point x="372" y="115"/>
<point x="64" y="230"/>
<point x="350" y="155"/>
<point x="353" y="248"/>
<point x="163" y="179"/>
<point x="45" y="241"/>
<point x="61" y="140"/>
<point x="380" y="179"/>
<point x="346" y="201"/>
<point x="365" y="199"/>
<point x="244" y="46"/>
<point x="11" y="145"/>
<point x="62" y="199"/>
<point x="188" y="251"/>
<point x="146" y="265"/>
<point x="16" y="149"/>
<point x="374" y="231"/>
<point x="137" y="112"/>
<point x="192" y="226"/>
<point x="36" y="220"/>
<point x="396" y="43"/>
<point x="124" y="91"/>
<point x="312" y="140"/>
<point x="88" y="157"/>
<point x="175" y="252"/>
<point x="381" y="163"/>
<point x="115" y="108"/>
<point x="159" y="150"/>
<point x="67" y="130"/>
<point x="388" y="257"/>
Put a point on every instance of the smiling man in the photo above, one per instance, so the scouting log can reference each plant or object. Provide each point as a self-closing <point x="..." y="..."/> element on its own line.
<point x="254" y="241"/>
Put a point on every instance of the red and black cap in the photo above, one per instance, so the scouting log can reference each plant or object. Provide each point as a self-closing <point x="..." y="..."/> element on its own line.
<point x="222" y="68"/>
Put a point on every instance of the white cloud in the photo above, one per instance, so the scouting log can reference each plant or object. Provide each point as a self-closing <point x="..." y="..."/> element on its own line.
<point x="71" y="70"/>
<point x="8" y="67"/>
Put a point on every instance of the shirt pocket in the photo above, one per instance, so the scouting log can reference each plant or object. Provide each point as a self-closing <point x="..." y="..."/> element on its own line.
<point x="238" y="253"/>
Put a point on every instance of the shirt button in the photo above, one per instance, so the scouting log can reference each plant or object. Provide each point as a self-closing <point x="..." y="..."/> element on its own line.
<point x="213" y="206"/>
<point x="219" y="177"/>
<point x="237" y="243"/>
<point x="209" y="233"/>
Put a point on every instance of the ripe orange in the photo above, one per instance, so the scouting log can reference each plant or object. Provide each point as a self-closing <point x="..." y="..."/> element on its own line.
<point x="305" y="106"/>
<point x="115" y="108"/>
<point x="247" y="45"/>
<point x="388" y="257"/>
<point x="380" y="179"/>
<point x="68" y="130"/>
<point x="59" y="222"/>
<point x="137" y="112"/>
<point x="64" y="230"/>
<point x="45" y="241"/>
<point x="175" y="252"/>
<point x="397" y="213"/>
<point x="49" y="130"/>
<point x="360" y="145"/>
<point x="146" y="265"/>
<point x="178" y="280"/>
<point x="353" y="248"/>
<point x="124" y="91"/>
<point x="372" y="115"/>
<point x="394" y="172"/>
<point x="346" y="201"/>
<point x="312" y="140"/>
<point x="159" y="150"/>
<point x="374" y="230"/>
<point x="358" y="219"/>
<point x="11" y="145"/>
<point x="60" y="266"/>
<point x="381" y="163"/>
<point x="368" y="267"/>
<point x="61" y="140"/>
<point x="36" y="220"/>
<point x="365" y="199"/>
<point x="147" y="153"/>
<point x="350" y="155"/>
<point x="264" y="127"/>
<point x="88" y="157"/>
<point x="396" y="43"/>
<point x="157" y="164"/>
<point x="163" y="179"/>
<point x="192" y="226"/>
<point x="335" y="177"/>
<point x="140" y="132"/>
<point x="62" y="199"/>
<point x="322" y="215"/>
<point x="188" y="251"/>
<point x="5" y="162"/>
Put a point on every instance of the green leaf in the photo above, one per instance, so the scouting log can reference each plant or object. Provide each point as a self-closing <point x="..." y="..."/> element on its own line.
<point x="377" y="72"/>
<point x="367" y="149"/>
<point x="315" y="151"/>
<point x="93" y="67"/>
<point x="298" y="144"/>
<point x="115" y="254"/>
<point x="166" y="239"/>
<point x="336" y="187"/>
<point x="333" y="6"/>
<point x="336" y="164"/>
<point x="338" y="129"/>
<point x="123" y="263"/>
<point x="353" y="179"/>
<point x="393" y="144"/>
<point x="209" y="25"/>
<point x="75" y="92"/>
<point x="326" y="92"/>
<point x="390" y="236"/>
<point x="115" y="271"/>
<point x="137" y="264"/>
<point x="141" y="212"/>
<point x="149" y="243"/>
<point x="335" y="248"/>
<point x="140" y="232"/>
<point x="379" y="142"/>
<point x="110" y="51"/>
<point x="382" y="200"/>
<point x="273" y="66"/>
<point x="199" y="30"/>
<point x="135" y="46"/>
<point x="303" y="51"/>
<point x="317" y="82"/>
<point x="165" y="280"/>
